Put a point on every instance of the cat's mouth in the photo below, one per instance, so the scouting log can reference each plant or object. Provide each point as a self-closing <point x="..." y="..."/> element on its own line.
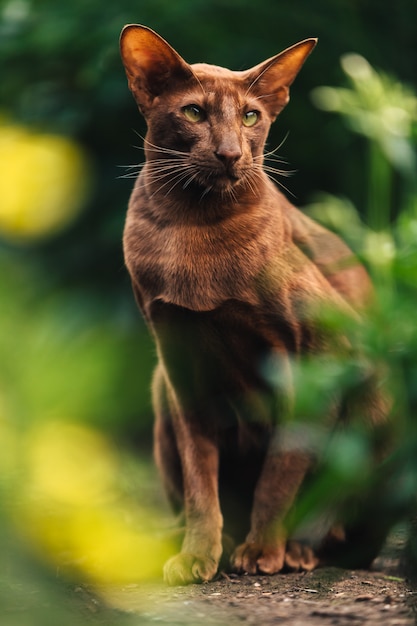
<point x="223" y="183"/>
<point x="224" y="178"/>
<point x="229" y="178"/>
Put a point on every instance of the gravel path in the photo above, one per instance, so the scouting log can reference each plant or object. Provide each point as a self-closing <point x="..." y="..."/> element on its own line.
<point x="327" y="596"/>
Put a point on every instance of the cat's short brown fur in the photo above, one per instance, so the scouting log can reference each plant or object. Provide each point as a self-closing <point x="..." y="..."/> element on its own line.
<point x="229" y="276"/>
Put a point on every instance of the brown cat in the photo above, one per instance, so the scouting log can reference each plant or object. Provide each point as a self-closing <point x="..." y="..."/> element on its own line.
<point x="230" y="276"/>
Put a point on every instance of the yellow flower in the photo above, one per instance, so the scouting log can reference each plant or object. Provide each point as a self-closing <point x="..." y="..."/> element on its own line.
<point x="44" y="182"/>
<point x="73" y="509"/>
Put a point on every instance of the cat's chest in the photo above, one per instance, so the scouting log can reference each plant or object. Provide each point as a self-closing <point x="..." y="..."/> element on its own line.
<point x="195" y="267"/>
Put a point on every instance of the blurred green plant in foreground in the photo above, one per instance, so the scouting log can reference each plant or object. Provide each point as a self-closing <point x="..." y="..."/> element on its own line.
<point x="71" y="497"/>
<point x="384" y="113"/>
<point x="61" y="384"/>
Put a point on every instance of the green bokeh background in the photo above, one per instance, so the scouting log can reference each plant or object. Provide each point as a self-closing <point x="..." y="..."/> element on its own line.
<point x="72" y="346"/>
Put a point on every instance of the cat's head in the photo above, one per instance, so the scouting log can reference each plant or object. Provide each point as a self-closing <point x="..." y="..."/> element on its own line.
<point x="213" y="120"/>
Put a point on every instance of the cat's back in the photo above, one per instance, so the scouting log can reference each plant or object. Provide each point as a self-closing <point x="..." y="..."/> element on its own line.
<point x="333" y="257"/>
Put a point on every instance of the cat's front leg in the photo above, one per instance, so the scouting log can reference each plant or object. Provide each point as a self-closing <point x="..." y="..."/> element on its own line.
<point x="187" y="451"/>
<point x="201" y="550"/>
<point x="199" y="558"/>
<point x="266" y="549"/>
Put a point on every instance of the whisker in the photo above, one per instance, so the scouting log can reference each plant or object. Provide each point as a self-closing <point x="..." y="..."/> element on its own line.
<point x="135" y="170"/>
<point x="162" y="169"/>
<point x="129" y="176"/>
<point x="155" y="148"/>
<point x="159" y="175"/>
<point x="178" y="177"/>
<point x="281" y="143"/>
<point x="151" y="147"/>
<point x="190" y="180"/>
<point x="275" y="159"/>
<point x="280" y="184"/>
<point x="273" y="176"/>
<point x="205" y="192"/>
<point x="166" y="151"/>
<point x="275" y="170"/>
<point x="247" y="180"/>
<point x="230" y="193"/>
<point x="271" y="154"/>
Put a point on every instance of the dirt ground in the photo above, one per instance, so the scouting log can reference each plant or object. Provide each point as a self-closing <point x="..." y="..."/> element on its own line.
<point x="327" y="596"/>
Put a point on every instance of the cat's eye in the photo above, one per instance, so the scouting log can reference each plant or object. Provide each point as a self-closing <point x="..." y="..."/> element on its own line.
<point x="194" y="113"/>
<point x="250" y="118"/>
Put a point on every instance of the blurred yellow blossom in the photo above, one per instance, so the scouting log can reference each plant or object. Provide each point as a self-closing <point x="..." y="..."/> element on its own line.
<point x="44" y="182"/>
<point x="73" y="511"/>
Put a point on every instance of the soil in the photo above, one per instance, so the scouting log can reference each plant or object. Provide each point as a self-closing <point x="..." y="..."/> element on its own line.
<point x="326" y="596"/>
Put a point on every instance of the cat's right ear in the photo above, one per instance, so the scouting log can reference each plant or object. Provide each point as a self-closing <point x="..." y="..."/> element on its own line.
<point x="271" y="80"/>
<point x="151" y="64"/>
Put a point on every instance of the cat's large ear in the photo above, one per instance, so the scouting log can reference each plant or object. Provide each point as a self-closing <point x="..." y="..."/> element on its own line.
<point x="271" y="79"/>
<point x="151" y="64"/>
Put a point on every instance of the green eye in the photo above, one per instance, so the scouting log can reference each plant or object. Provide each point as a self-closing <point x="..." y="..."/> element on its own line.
<point x="194" y="113"/>
<point x="250" y="118"/>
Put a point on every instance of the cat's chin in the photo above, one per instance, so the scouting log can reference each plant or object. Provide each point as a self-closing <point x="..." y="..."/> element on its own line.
<point x="223" y="185"/>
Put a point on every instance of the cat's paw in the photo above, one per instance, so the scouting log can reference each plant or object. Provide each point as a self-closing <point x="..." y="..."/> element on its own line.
<point x="255" y="558"/>
<point x="299" y="556"/>
<point x="184" y="569"/>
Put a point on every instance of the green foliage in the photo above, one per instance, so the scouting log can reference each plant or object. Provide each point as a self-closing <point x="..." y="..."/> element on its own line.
<point x="66" y="359"/>
<point x="384" y="112"/>
<point x="73" y="349"/>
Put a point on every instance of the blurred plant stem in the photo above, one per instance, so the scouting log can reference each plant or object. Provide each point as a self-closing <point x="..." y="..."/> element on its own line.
<point x="379" y="188"/>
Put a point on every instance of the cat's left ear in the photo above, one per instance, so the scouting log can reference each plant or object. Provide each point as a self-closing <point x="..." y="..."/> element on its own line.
<point x="271" y="79"/>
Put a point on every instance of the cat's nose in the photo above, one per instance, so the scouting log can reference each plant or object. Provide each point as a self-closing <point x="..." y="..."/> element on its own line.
<point x="228" y="155"/>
